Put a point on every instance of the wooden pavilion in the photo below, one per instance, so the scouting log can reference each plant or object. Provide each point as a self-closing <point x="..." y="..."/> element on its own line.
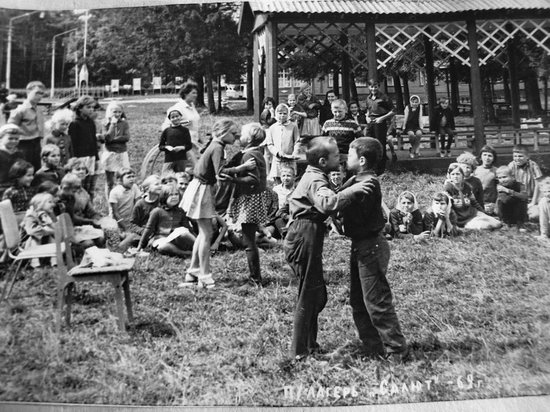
<point x="367" y="35"/>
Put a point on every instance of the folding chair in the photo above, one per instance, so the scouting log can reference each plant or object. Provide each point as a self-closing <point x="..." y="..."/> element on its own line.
<point x="69" y="274"/>
<point x="12" y="238"/>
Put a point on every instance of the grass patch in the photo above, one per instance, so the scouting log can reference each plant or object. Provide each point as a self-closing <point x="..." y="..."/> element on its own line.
<point x="474" y="309"/>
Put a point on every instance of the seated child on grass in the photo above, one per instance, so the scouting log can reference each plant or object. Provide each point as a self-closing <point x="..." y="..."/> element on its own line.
<point x="285" y="188"/>
<point x="151" y="188"/>
<point x="527" y="173"/>
<point x="486" y="173"/>
<point x="58" y="127"/>
<point x="406" y="218"/>
<point x="20" y="192"/>
<point x="168" y="229"/>
<point x="470" y="215"/>
<point x="468" y="162"/>
<point x="511" y="206"/>
<point x="38" y="223"/>
<point x="440" y="219"/>
<point x="50" y="170"/>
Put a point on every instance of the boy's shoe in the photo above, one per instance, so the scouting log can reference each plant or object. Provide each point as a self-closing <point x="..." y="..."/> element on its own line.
<point x="192" y="275"/>
<point x="448" y="153"/>
<point x="206" y="281"/>
<point x="442" y="154"/>
<point x="399" y="357"/>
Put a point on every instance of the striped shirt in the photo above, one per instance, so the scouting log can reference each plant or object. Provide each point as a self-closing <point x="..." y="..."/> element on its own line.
<point x="343" y="131"/>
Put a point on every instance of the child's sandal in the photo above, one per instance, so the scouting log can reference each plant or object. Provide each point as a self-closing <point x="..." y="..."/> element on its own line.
<point x="191" y="275"/>
<point x="206" y="281"/>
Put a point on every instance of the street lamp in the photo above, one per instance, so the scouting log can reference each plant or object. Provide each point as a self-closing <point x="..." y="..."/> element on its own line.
<point x="53" y="60"/>
<point x="10" y="35"/>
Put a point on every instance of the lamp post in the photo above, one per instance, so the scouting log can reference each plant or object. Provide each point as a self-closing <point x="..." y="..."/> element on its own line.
<point x="52" y="89"/>
<point x="10" y="35"/>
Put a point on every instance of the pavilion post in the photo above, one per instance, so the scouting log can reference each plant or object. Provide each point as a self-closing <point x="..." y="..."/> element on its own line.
<point x="430" y="79"/>
<point x="371" y="50"/>
<point x="514" y="81"/>
<point x="257" y="69"/>
<point x="476" y="87"/>
<point x="271" y="68"/>
<point x="455" y="92"/>
<point x="345" y="70"/>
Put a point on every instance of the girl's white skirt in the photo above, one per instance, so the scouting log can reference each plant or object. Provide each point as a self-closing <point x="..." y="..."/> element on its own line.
<point x="199" y="200"/>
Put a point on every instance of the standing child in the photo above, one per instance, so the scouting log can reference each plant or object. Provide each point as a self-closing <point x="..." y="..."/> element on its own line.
<point x="310" y="126"/>
<point x="282" y="141"/>
<point x="199" y="198"/>
<point x="38" y="223"/>
<point x="9" y="139"/>
<point x="470" y="215"/>
<point x="468" y="162"/>
<point x="527" y="173"/>
<point x="413" y="124"/>
<point x="343" y="130"/>
<point x="168" y="230"/>
<point x="84" y="140"/>
<point x="20" y="192"/>
<point x="58" y="126"/>
<point x="325" y="112"/>
<point x="440" y="219"/>
<point x="116" y="133"/>
<point x="391" y="136"/>
<point x="486" y="173"/>
<point x="175" y="142"/>
<point x="285" y="188"/>
<point x="30" y="119"/>
<point x="511" y="203"/>
<point x="370" y="294"/>
<point x="310" y="204"/>
<point x="50" y="170"/>
<point x="249" y="207"/>
<point x="357" y="115"/>
<point x="297" y="112"/>
<point x="442" y="123"/>
<point x="406" y="218"/>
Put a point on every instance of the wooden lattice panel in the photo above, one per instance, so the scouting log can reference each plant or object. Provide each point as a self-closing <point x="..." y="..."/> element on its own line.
<point x="536" y="30"/>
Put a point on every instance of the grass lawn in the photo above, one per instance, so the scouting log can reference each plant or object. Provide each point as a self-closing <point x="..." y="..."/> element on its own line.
<point x="474" y="309"/>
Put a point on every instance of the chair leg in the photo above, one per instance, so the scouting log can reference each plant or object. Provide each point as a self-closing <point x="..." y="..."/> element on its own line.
<point x="127" y="298"/>
<point x="10" y="281"/>
<point x="68" y="303"/>
<point x="117" y="283"/>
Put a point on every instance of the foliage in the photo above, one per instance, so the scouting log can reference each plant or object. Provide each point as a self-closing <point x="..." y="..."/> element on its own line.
<point x="475" y="305"/>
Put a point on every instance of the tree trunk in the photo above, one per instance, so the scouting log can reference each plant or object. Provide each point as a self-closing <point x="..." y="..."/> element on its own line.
<point x="506" y="86"/>
<point x="455" y="94"/>
<point x="353" y="87"/>
<point x="249" y="82"/>
<point x="336" y="81"/>
<point x="406" y="92"/>
<point x="199" y="78"/>
<point x="220" y="108"/>
<point x="487" y="99"/>
<point x="532" y="94"/>
<point x="398" y="92"/>
<point x="210" y="90"/>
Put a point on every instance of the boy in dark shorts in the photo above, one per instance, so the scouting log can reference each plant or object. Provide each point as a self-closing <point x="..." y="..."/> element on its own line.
<point x="370" y="295"/>
<point x="310" y="204"/>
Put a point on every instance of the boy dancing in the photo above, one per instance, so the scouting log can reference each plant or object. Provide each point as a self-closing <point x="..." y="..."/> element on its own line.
<point x="370" y="295"/>
<point x="310" y="204"/>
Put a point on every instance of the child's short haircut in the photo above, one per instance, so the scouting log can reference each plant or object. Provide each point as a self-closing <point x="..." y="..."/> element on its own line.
<point x="489" y="149"/>
<point x="282" y="106"/>
<point x="286" y="168"/>
<point x="112" y="106"/>
<point x="148" y="182"/>
<point x="373" y="82"/>
<point x="222" y="126"/>
<point x="75" y="162"/>
<point x="453" y="166"/>
<point x="165" y="193"/>
<point x="407" y="195"/>
<point x="124" y="172"/>
<point x="83" y="101"/>
<point x="255" y="131"/>
<point x="47" y="186"/>
<point x="521" y="148"/>
<point x="317" y="148"/>
<point x="18" y="170"/>
<point x="39" y="200"/>
<point x="268" y="99"/>
<point x="339" y="102"/>
<point x="168" y="178"/>
<point x="467" y="158"/>
<point x="48" y="149"/>
<point x="71" y="180"/>
<point x="505" y="169"/>
<point x="35" y="84"/>
<point x="291" y="95"/>
<point x="441" y="197"/>
<point x="369" y="148"/>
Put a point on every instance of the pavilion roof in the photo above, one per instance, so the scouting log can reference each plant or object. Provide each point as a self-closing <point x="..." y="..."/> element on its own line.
<point x="393" y="6"/>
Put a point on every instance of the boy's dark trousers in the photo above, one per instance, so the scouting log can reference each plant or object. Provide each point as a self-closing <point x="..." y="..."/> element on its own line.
<point x="303" y="249"/>
<point x="31" y="151"/>
<point x="379" y="131"/>
<point x="441" y="133"/>
<point x="371" y="299"/>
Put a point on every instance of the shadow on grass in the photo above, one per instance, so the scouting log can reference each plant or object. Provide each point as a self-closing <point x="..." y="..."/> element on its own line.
<point x="155" y="328"/>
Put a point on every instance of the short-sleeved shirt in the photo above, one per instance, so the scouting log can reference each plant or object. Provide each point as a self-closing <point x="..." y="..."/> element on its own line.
<point x="379" y="106"/>
<point x="282" y="194"/>
<point x="30" y="120"/>
<point x="526" y="175"/>
<point x="125" y="199"/>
